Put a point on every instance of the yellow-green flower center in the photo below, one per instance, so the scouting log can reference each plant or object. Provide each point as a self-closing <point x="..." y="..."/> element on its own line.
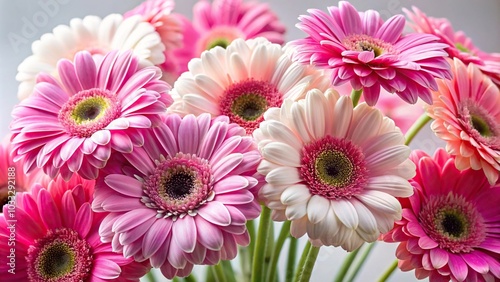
<point x="481" y="126"/>
<point x="452" y="223"/>
<point x="222" y="42"/>
<point x="462" y="48"/>
<point x="333" y="168"/>
<point x="249" y="106"/>
<point x="89" y="110"/>
<point x="56" y="261"/>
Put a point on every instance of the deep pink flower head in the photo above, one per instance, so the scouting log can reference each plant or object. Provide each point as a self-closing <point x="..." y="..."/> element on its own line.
<point x="220" y="22"/>
<point x="57" y="239"/>
<point x="449" y="229"/>
<point x="97" y="107"/>
<point x="369" y="53"/>
<point x="458" y="44"/>
<point x="185" y="196"/>
<point x="466" y="115"/>
<point x="12" y="178"/>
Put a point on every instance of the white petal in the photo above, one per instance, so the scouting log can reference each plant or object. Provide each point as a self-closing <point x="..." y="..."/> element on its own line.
<point x="317" y="208"/>
<point x="296" y="211"/>
<point x="315" y="113"/>
<point x="298" y="227"/>
<point x="342" y="115"/>
<point x="281" y="153"/>
<point x="283" y="175"/>
<point x="346" y="213"/>
<point x="382" y="202"/>
<point x="367" y="222"/>
<point x="295" y="194"/>
<point x="392" y="185"/>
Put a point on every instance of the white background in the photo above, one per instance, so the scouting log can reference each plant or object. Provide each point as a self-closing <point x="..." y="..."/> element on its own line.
<point x="479" y="19"/>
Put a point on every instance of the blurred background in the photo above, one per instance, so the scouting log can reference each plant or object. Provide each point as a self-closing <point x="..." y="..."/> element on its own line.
<point x="478" y="19"/>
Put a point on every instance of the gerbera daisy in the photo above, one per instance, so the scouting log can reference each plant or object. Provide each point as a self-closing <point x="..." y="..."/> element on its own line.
<point x="334" y="171"/>
<point x="184" y="198"/>
<point x="467" y="116"/>
<point x="369" y="53"/>
<point x="459" y="45"/>
<point x="95" y="35"/>
<point x="449" y="230"/>
<point x="222" y="21"/>
<point x="73" y="126"/>
<point x="56" y="239"/>
<point x="12" y="178"/>
<point x="243" y="81"/>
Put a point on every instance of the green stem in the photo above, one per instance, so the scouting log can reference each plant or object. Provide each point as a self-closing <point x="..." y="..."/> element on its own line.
<point x="190" y="278"/>
<point x="305" y="270"/>
<point x="262" y="236"/>
<point x="355" y="96"/>
<point x="150" y="276"/>
<point x="302" y="260"/>
<point x="388" y="272"/>
<point x="228" y="270"/>
<point x="345" y="266"/>
<point x="210" y="274"/>
<point x="251" y="232"/>
<point x="416" y="127"/>
<point x="176" y="279"/>
<point x="219" y="273"/>
<point x="290" y="264"/>
<point x="269" y="248"/>
<point x="361" y="261"/>
<point x="284" y="233"/>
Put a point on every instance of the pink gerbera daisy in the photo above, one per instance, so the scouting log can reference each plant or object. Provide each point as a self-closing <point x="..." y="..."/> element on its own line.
<point x="56" y="239"/>
<point x="466" y="115"/>
<point x="185" y="196"/>
<point x="334" y="171"/>
<point x="222" y="21"/>
<point x="369" y="53"/>
<point x="243" y="81"/>
<point x="73" y="126"/>
<point x="12" y="178"/>
<point x="459" y="45"/>
<point x="449" y="229"/>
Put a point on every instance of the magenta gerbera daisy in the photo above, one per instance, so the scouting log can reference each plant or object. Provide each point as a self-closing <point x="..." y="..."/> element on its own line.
<point x="449" y="229"/>
<point x="467" y="116"/>
<point x="12" y="178"/>
<point x="56" y="239"/>
<point x="369" y="53"/>
<point x="458" y="44"/>
<point x="243" y="81"/>
<point x="334" y="171"/>
<point x="74" y="125"/>
<point x="185" y="196"/>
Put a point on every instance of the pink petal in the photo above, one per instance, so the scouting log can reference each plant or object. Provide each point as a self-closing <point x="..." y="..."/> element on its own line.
<point x="215" y="213"/>
<point x="458" y="267"/>
<point x="155" y="237"/>
<point x="439" y="257"/>
<point x="184" y="233"/>
<point x="125" y="185"/>
<point x="48" y="210"/>
<point x="101" y="137"/>
<point x="83" y="220"/>
<point x="106" y="269"/>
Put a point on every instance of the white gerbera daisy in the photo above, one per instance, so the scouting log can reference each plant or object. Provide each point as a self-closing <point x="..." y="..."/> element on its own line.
<point x="334" y="171"/>
<point x="95" y="35"/>
<point x="243" y="81"/>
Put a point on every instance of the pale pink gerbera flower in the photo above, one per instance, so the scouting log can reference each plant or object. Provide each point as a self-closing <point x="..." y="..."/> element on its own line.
<point x="459" y="45"/>
<point x="12" y="178"/>
<point x="95" y="35"/>
<point x="73" y="126"/>
<point x="222" y="21"/>
<point x="466" y="115"/>
<point x="449" y="229"/>
<point x="334" y="171"/>
<point x="170" y="27"/>
<point x="243" y="81"/>
<point x="185" y="197"/>
<point x="369" y="53"/>
<point x="56" y="239"/>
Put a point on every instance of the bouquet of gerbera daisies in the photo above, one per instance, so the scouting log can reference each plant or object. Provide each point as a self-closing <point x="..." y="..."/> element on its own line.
<point x="150" y="143"/>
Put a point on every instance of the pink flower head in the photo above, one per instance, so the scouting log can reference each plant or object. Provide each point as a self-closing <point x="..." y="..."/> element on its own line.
<point x="158" y="14"/>
<point x="333" y="170"/>
<point x="56" y="239"/>
<point x="185" y="196"/>
<point x="74" y="125"/>
<point x="466" y="115"/>
<point x="458" y="44"/>
<point x="12" y="178"/>
<point x="220" y="22"/>
<point x="369" y="53"/>
<point x="449" y="229"/>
